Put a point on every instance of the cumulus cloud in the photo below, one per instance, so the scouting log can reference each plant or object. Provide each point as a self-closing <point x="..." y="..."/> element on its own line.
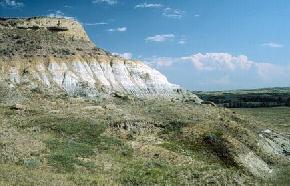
<point x="109" y="2"/>
<point x="150" y="5"/>
<point x="160" y="38"/>
<point x="269" y="70"/>
<point x="126" y="55"/>
<point x="272" y="45"/>
<point x="219" y="61"/>
<point x="223" y="71"/>
<point x="224" y="63"/>
<point x="119" y="29"/>
<point x="11" y="4"/>
<point x="173" y="13"/>
<point x="229" y="63"/>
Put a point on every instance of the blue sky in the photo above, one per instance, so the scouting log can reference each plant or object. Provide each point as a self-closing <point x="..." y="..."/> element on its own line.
<point x="199" y="44"/>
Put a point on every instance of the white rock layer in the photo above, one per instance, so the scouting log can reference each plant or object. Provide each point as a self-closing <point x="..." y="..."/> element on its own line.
<point x="109" y="74"/>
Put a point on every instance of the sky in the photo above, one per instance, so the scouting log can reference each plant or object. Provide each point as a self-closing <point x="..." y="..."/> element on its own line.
<point x="198" y="44"/>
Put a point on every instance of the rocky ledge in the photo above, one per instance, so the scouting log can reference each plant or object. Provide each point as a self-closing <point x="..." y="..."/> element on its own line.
<point x="57" y="54"/>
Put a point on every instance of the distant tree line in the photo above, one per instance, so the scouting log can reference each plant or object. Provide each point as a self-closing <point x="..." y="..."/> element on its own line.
<point x="248" y="100"/>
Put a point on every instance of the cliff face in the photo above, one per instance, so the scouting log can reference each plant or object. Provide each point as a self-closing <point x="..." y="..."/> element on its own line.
<point x="56" y="54"/>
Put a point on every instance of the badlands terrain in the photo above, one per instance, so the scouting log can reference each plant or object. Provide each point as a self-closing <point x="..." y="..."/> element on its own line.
<point x="74" y="114"/>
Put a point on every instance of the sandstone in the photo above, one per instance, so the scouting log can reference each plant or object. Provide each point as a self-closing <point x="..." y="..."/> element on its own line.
<point x="65" y="60"/>
<point x="275" y="143"/>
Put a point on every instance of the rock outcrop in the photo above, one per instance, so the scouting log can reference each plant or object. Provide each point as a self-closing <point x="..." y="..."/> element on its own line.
<point x="57" y="54"/>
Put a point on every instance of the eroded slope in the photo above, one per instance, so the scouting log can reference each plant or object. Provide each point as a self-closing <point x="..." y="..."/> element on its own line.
<point x="56" y="54"/>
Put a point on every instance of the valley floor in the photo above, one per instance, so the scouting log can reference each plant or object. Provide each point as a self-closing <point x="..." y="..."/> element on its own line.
<point x="277" y="118"/>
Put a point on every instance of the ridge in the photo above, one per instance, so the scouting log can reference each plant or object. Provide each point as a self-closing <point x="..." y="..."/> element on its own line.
<point x="57" y="54"/>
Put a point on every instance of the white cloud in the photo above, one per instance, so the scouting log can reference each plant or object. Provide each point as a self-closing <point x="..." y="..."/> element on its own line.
<point x="11" y="4"/>
<point x="182" y="40"/>
<point x="173" y="13"/>
<point x="59" y="14"/>
<point x="196" y="15"/>
<point x="160" y="38"/>
<point x="96" y="24"/>
<point x="224" y="71"/>
<point x="269" y="70"/>
<point x="146" y="5"/>
<point x="161" y="61"/>
<point x="225" y="63"/>
<point x="119" y="29"/>
<point x="68" y="6"/>
<point x="219" y="61"/>
<point x="228" y="63"/>
<point x="126" y="55"/>
<point x="109" y="2"/>
<point x="272" y="45"/>
<point x="56" y="13"/>
<point x="122" y="29"/>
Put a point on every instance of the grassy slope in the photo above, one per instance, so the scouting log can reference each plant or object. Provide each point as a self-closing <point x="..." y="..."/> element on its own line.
<point x="72" y="141"/>
<point x="61" y="141"/>
<point x="277" y="119"/>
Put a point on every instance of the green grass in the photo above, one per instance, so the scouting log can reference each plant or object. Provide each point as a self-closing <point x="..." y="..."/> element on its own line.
<point x="64" y="154"/>
<point x="91" y="147"/>
<point x="70" y="138"/>
<point x="149" y="173"/>
<point x="277" y="118"/>
<point x="81" y="139"/>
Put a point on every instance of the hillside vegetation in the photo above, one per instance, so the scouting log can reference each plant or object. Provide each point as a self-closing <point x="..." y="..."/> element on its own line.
<point x="268" y="97"/>
<point x="47" y="140"/>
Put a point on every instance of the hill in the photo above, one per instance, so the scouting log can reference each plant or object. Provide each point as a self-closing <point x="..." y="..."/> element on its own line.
<point x="56" y="54"/>
<point x="74" y="114"/>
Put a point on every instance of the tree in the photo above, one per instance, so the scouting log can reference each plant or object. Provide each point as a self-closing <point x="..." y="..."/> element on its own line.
<point x="288" y="102"/>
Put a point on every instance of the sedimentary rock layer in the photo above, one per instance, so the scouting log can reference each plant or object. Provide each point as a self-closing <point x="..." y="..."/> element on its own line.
<point x="56" y="53"/>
